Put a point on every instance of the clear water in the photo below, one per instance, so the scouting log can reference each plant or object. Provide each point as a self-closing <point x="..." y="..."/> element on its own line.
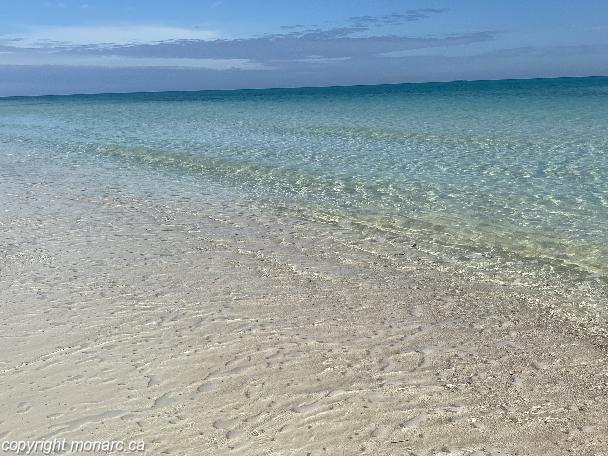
<point x="511" y="172"/>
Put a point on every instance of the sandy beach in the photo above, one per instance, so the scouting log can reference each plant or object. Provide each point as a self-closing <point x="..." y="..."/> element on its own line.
<point x="288" y="228"/>
<point x="222" y="331"/>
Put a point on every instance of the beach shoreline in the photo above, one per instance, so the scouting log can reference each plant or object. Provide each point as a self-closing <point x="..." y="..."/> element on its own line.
<point x="221" y="330"/>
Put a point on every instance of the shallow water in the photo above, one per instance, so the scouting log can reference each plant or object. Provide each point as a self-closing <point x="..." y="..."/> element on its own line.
<point x="507" y="178"/>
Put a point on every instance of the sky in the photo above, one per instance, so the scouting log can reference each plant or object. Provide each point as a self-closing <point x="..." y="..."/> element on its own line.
<point x="89" y="46"/>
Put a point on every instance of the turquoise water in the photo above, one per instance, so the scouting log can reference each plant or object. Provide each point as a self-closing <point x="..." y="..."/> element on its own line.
<point x="512" y="171"/>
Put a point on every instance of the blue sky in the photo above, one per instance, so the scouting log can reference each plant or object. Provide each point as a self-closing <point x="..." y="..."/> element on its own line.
<point x="85" y="46"/>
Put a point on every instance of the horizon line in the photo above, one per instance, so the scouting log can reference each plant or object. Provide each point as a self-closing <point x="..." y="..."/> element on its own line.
<point x="260" y="89"/>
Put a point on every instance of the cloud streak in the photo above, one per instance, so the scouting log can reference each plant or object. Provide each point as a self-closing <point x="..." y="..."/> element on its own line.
<point x="334" y="43"/>
<point x="102" y="35"/>
<point x="190" y="48"/>
<point x="396" y="18"/>
<point x="118" y="61"/>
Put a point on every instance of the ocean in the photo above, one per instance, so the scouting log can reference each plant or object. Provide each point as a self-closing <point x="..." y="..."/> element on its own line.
<point x="507" y="180"/>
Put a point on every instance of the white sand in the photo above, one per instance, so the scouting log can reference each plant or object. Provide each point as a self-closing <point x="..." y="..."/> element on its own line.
<point x="209" y="333"/>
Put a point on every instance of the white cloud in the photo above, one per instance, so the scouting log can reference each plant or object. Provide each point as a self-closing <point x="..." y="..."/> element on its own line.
<point x="117" y="61"/>
<point x="42" y="37"/>
<point x="321" y="59"/>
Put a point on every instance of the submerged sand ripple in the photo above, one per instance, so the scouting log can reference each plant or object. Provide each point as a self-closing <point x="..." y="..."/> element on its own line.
<point x="217" y="333"/>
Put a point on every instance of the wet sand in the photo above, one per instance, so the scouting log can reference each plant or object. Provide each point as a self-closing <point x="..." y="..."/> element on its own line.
<point x="209" y="332"/>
